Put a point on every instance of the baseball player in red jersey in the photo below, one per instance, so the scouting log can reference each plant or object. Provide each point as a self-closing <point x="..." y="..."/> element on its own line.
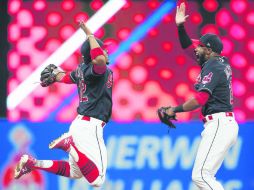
<point x="84" y="141"/>
<point x="214" y="95"/>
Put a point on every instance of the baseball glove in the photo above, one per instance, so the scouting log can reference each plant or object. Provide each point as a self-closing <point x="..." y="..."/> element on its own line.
<point x="165" y="118"/>
<point x="48" y="77"/>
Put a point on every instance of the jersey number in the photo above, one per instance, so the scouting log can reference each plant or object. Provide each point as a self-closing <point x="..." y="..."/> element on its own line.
<point x="109" y="82"/>
<point x="82" y="90"/>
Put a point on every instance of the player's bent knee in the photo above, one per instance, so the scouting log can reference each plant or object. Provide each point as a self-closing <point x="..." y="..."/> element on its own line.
<point x="98" y="182"/>
<point x="76" y="176"/>
<point x="201" y="180"/>
<point x="197" y="179"/>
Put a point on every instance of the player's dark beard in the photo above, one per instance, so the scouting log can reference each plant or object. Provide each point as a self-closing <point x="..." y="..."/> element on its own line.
<point x="201" y="59"/>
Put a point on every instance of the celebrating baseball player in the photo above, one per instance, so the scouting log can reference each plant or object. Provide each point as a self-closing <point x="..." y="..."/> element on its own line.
<point x="84" y="142"/>
<point x="214" y="94"/>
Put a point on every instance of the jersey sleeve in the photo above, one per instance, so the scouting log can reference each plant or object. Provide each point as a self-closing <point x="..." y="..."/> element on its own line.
<point x="186" y="43"/>
<point x="210" y="77"/>
<point x="91" y="75"/>
<point x="184" y="39"/>
<point x="73" y="76"/>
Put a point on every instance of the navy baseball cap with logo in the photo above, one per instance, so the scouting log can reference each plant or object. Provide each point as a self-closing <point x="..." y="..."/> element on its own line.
<point x="211" y="41"/>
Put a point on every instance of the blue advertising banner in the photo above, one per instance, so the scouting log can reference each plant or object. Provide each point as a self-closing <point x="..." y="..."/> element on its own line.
<point x="141" y="156"/>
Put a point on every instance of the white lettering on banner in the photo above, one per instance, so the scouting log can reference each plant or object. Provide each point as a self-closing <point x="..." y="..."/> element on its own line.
<point x="116" y="185"/>
<point x="156" y="185"/>
<point x="233" y="185"/>
<point x="153" y="152"/>
<point x="126" y="152"/>
<point x="148" y="150"/>
<point x="24" y="186"/>
<point x="66" y="184"/>
<point x="181" y="150"/>
<point x="63" y="183"/>
<point x="111" y="150"/>
<point x="138" y="184"/>
<point x="175" y="185"/>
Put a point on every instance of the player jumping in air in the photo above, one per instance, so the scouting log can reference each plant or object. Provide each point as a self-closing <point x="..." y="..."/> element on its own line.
<point x="84" y="141"/>
<point x="214" y="94"/>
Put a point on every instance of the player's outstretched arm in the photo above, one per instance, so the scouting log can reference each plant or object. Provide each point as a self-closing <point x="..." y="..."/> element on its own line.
<point x="180" y="19"/>
<point x="189" y="105"/>
<point x="98" y="56"/>
<point x="60" y="76"/>
<point x="52" y="74"/>
<point x="49" y="75"/>
<point x="65" y="77"/>
<point x="199" y="99"/>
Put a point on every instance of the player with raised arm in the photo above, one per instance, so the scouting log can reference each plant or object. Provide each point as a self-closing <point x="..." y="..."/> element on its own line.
<point x="84" y="141"/>
<point x="214" y="95"/>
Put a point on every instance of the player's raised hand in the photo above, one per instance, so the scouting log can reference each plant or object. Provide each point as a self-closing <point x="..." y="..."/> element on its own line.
<point x="85" y="28"/>
<point x="180" y="14"/>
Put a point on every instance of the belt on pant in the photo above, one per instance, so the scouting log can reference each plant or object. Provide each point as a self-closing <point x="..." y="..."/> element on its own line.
<point x="87" y="118"/>
<point x="210" y="117"/>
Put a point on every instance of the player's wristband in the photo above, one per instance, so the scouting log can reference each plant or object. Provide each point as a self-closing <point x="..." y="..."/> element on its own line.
<point x="95" y="52"/>
<point x="89" y="35"/>
<point x="178" y="109"/>
<point x="66" y="79"/>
